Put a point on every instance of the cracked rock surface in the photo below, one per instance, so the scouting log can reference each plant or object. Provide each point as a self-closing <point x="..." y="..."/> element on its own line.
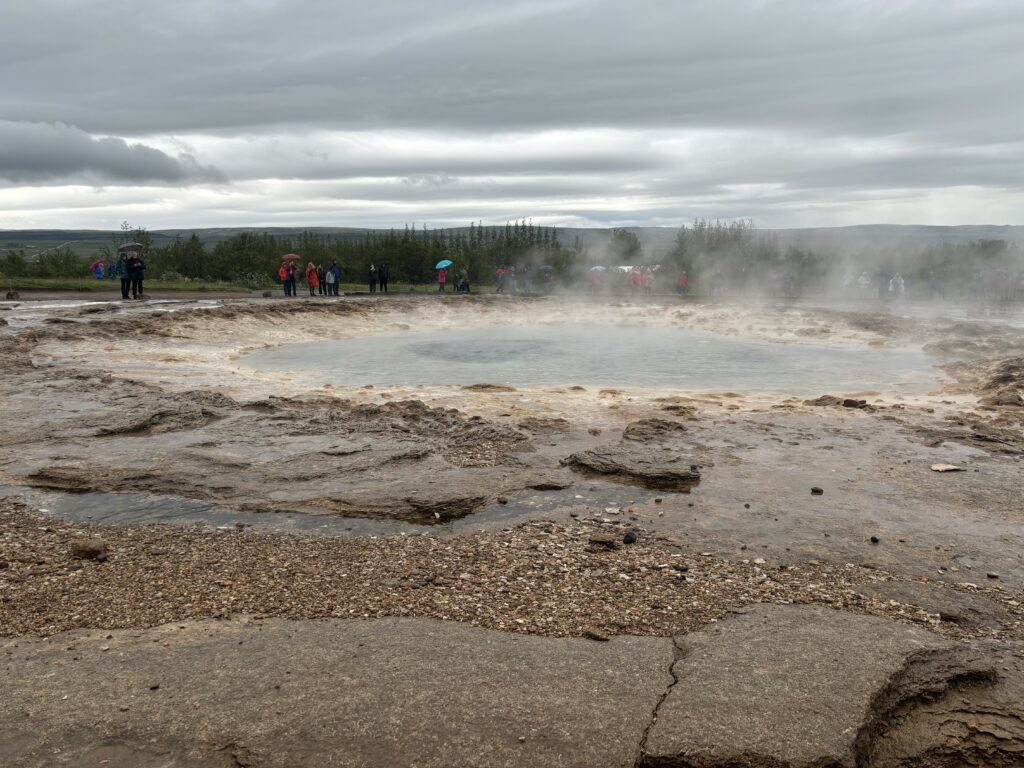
<point x="343" y="693"/>
<point x="801" y="686"/>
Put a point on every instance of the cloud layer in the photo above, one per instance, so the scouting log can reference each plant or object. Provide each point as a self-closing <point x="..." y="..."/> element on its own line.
<point x="40" y="153"/>
<point x="575" y="111"/>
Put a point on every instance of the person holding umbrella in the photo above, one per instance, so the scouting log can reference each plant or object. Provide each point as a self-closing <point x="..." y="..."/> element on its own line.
<point x="293" y="279"/>
<point x="442" y="275"/>
<point x="136" y="271"/>
<point x="287" y="273"/>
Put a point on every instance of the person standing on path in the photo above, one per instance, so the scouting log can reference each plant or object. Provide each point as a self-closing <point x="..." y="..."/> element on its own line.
<point x="282" y="273"/>
<point x="311" y="279"/>
<point x="321" y="287"/>
<point x="336" y="271"/>
<point x="137" y="272"/>
<point x="442" y="278"/>
<point x="373" y="279"/>
<point x="683" y="284"/>
<point x="124" y="274"/>
<point x="293" y="277"/>
<point x="383" y="274"/>
<point x="328" y="284"/>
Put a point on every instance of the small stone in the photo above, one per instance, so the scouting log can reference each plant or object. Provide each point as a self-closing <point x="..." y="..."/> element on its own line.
<point x="503" y="499"/>
<point x="593" y="634"/>
<point x="606" y="540"/>
<point x="629" y="538"/>
<point x="89" y="549"/>
<point x="816" y="491"/>
<point x="992" y="575"/>
<point x="874" y="539"/>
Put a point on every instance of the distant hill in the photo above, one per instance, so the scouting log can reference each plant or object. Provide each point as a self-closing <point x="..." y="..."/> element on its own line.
<point x="656" y="240"/>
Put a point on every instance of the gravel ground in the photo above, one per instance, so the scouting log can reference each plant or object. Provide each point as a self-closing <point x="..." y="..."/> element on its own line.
<point x="539" y="578"/>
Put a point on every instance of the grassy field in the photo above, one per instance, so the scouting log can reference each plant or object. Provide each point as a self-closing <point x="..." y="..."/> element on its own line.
<point x="89" y="284"/>
<point x="92" y="285"/>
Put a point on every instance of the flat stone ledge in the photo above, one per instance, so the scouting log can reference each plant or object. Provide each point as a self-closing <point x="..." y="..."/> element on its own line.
<point x="381" y="692"/>
<point x="798" y="686"/>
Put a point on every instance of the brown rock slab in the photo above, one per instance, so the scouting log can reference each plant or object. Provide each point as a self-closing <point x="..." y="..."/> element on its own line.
<point x="798" y="686"/>
<point x="656" y="468"/>
<point x="653" y="430"/>
<point x="382" y="692"/>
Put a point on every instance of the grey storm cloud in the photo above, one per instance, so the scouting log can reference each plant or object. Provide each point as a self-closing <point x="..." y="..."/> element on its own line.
<point x="48" y="152"/>
<point x="713" y="107"/>
<point x="847" y="66"/>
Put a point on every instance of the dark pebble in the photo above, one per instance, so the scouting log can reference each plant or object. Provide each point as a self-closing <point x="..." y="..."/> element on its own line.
<point x="816" y="491"/>
<point x="874" y="539"/>
<point x="629" y="538"/>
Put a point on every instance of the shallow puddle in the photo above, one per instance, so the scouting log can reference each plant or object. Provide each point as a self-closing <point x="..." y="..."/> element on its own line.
<point x="598" y="499"/>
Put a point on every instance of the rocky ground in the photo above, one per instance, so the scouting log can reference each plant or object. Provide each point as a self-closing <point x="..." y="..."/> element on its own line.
<point x="562" y="512"/>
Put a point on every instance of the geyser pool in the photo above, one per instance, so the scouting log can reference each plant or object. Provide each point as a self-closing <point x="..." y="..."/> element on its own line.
<point x="605" y="356"/>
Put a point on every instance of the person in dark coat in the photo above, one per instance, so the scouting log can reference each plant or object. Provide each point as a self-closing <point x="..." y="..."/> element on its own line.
<point x="293" y="276"/>
<point x="336" y="271"/>
<point x="383" y="275"/>
<point x="373" y="279"/>
<point x="124" y="274"/>
<point x="137" y="272"/>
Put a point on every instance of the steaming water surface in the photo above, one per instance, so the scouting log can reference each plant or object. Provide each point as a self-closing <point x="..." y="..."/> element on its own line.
<point x="612" y="356"/>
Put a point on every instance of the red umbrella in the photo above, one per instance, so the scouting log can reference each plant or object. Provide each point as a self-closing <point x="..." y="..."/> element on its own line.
<point x="291" y="257"/>
<point x="98" y="263"/>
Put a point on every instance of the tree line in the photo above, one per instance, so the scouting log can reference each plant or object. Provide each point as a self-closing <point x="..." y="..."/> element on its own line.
<point x="719" y="257"/>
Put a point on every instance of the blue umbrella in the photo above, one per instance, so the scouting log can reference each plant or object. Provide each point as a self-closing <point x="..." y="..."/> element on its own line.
<point x="443" y="263"/>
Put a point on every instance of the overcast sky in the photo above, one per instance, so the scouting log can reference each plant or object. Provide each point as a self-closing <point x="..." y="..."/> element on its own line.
<point x="569" y="112"/>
